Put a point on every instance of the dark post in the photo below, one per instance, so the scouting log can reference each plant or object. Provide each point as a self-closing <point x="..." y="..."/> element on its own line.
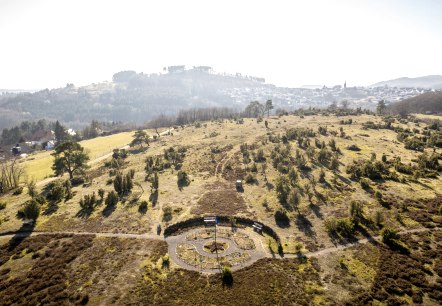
<point x="216" y="246"/>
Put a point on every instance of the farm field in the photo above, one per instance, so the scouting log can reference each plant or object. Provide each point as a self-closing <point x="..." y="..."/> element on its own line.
<point x="325" y="187"/>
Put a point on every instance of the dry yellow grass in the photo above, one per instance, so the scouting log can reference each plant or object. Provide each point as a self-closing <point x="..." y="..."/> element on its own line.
<point x="201" y="165"/>
<point x="205" y="169"/>
<point x="38" y="166"/>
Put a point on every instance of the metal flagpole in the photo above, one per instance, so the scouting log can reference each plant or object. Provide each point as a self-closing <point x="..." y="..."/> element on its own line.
<point x="216" y="246"/>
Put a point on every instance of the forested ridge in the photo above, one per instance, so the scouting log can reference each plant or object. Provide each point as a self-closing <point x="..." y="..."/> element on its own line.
<point x="131" y="97"/>
<point x="428" y="102"/>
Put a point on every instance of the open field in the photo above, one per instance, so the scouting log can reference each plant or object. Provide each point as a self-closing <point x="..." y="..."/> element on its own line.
<point x="38" y="165"/>
<point x="214" y="157"/>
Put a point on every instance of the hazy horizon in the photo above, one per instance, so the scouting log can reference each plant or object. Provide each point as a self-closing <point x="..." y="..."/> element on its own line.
<point x="47" y="44"/>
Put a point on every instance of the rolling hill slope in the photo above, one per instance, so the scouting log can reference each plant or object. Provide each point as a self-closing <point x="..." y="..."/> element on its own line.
<point x="429" y="81"/>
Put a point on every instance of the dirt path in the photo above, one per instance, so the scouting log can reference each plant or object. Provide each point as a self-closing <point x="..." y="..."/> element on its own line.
<point x="222" y="163"/>
<point x="359" y="242"/>
<point x="109" y="235"/>
<point x="217" y="170"/>
<point x="255" y="255"/>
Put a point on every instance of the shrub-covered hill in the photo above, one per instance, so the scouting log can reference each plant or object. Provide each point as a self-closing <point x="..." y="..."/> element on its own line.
<point x="320" y="180"/>
<point x="131" y="97"/>
<point x="427" y="102"/>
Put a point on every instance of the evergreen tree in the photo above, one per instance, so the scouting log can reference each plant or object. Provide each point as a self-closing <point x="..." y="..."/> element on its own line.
<point x="70" y="157"/>
<point x="155" y="181"/>
<point x="381" y="107"/>
<point x="268" y="107"/>
<point x="282" y="189"/>
<point x="140" y="138"/>
<point x="60" y="132"/>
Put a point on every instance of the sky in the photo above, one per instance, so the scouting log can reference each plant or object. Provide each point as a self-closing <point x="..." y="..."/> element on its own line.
<point x="49" y="43"/>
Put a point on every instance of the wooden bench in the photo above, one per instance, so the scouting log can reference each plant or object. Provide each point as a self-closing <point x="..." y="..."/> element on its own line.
<point x="210" y="220"/>
<point x="257" y="226"/>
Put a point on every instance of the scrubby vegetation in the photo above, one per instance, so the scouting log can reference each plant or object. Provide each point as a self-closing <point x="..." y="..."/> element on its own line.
<point x="315" y="179"/>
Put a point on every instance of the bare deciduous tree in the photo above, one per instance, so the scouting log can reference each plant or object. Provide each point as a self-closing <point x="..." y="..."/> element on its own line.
<point x="10" y="174"/>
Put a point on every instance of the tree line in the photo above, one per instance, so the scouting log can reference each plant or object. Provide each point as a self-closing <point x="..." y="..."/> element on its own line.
<point x="427" y="102"/>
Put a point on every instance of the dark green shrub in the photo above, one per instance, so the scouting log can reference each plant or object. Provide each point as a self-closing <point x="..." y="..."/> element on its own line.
<point x="339" y="227"/>
<point x="123" y="184"/>
<point x="88" y="202"/>
<point x="259" y="157"/>
<point x="378" y="197"/>
<point x="254" y="168"/>
<point x="281" y="218"/>
<point x="167" y="213"/>
<point x="2" y="205"/>
<point x="227" y="276"/>
<point x="68" y="190"/>
<point x="18" y="191"/>
<point x="322" y="176"/>
<point x="356" y="211"/>
<point x="31" y="210"/>
<point x="379" y="218"/>
<point x="250" y="178"/>
<point x="143" y="207"/>
<point x="112" y="199"/>
<point x="56" y="192"/>
<point x="101" y="193"/>
<point x="182" y="179"/>
<point x="282" y="189"/>
<point x="32" y="189"/>
<point x="414" y="144"/>
<point x="132" y="173"/>
<point x="372" y="170"/>
<point x="40" y="200"/>
<point x="353" y="147"/>
<point x="165" y="262"/>
<point x="365" y="184"/>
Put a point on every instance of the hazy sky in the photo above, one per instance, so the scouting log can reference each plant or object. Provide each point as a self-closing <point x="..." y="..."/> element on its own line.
<point x="291" y="43"/>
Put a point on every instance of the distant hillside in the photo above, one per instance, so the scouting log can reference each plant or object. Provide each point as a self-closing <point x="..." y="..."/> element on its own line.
<point x="427" y="102"/>
<point x="429" y="81"/>
<point x="131" y="97"/>
<point x="136" y="98"/>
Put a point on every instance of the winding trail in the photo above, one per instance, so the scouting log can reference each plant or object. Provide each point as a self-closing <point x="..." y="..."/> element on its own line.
<point x="377" y="238"/>
<point x="173" y="241"/>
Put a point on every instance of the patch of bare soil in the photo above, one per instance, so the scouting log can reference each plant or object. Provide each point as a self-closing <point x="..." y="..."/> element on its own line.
<point x="233" y="169"/>
<point x="209" y="161"/>
<point x="221" y="199"/>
